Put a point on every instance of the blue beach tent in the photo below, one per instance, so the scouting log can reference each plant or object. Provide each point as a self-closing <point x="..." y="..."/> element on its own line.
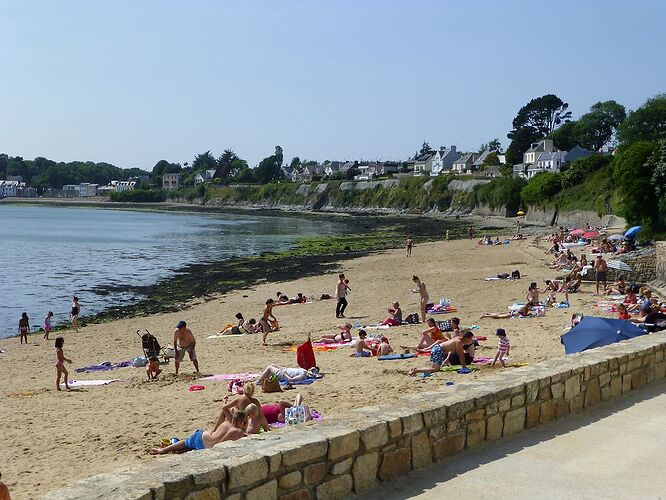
<point x="594" y="332"/>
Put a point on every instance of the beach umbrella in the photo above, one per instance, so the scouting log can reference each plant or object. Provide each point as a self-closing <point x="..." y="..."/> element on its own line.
<point x="591" y="234"/>
<point x="632" y="231"/>
<point x="577" y="232"/>
<point x="619" y="265"/>
<point x="594" y="332"/>
<point x="616" y="237"/>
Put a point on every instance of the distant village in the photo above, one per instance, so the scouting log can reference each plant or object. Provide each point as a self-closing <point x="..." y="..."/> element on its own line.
<point x="542" y="156"/>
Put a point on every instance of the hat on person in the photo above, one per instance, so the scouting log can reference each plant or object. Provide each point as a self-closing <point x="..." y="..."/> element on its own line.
<point x="500" y="332"/>
<point x="181" y="324"/>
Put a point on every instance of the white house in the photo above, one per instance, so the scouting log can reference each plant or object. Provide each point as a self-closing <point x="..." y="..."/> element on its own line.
<point x="546" y="162"/>
<point x="206" y="175"/>
<point x="171" y="181"/>
<point x="11" y="188"/>
<point x="443" y="160"/>
<point x="543" y="146"/>
<point x="125" y="186"/>
<point x="70" y="190"/>
<point x="465" y="164"/>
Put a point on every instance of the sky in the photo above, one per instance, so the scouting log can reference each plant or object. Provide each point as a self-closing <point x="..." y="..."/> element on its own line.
<point x="133" y="82"/>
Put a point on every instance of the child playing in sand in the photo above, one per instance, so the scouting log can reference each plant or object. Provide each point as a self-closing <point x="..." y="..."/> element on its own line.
<point x="336" y="338"/>
<point x="361" y="349"/>
<point x="47" y="325"/>
<point x="24" y="327"/>
<point x="503" y="347"/>
<point x="384" y="347"/>
<point x="153" y="368"/>
<point x="60" y="363"/>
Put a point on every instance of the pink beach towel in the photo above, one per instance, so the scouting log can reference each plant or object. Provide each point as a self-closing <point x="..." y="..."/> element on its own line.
<point x="232" y="376"/>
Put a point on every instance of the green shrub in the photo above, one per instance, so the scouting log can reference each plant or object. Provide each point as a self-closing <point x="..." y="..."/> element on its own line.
<point x="139" y="196"/>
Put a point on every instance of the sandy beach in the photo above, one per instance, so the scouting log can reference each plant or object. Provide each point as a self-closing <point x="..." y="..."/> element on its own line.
<point x="51" y="439"/>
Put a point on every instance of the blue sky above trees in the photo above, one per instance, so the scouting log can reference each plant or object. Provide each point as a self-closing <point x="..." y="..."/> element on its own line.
<point x="131" y="83"/>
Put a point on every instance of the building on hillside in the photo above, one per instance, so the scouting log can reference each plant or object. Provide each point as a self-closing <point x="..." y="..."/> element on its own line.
<point x="125" y="186"/>
<point x="423" y="164"/>
<point x="543" y="146"/>
<point x="465" y="164"/>
<point x="478" y="163"/>
<point x="443" y="160"/>
<point x="546" y="162"/>
<point x="70" y="190"/>
<point x="206" y="175"/>
<point x="171" y="181"/>
<point x="86" y="190"/>
<point x="338" y="168"/>
<point x="577" y="153"/>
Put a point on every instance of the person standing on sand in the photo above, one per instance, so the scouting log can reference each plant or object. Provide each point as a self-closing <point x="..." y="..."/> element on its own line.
<point x="409" y="244"/>
<point x="47" y="325"/>
<point x="447" y="234"/>
<point x="341" y="296"/>
<point x="76" y="309"/>
<point x="601" y="268"/>
<point x="60" y="363"/>
<point x="423" y="295"/>
<point x="24" y="327"/>
<point x="268" y="314"/>
<point x="184" y="341"/>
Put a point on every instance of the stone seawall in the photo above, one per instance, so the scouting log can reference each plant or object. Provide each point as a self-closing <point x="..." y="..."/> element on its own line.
<point x="660" y="264"/>
<point x="341" y="456"/>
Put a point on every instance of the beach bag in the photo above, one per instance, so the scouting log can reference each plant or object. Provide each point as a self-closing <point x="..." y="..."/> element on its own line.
<point x="515" y="275"/>
<point x="271" y="384"/>
<point x="412" y="319"/>
<point x="294" y="415"/>
<point x="139" y="361"/>
<point x="305" y="356"/>
<point x="324" y="296"/>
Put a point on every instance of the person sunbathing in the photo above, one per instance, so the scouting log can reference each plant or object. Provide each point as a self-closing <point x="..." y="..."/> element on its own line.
<point x="239" y="403"/>
<point x="522" y="312"/>
<point x="396" y="316"/>
<point x="288" y="375"/>
<point x="200" y="440"/>
<point x="617" y="288"/>
<point x="560" y="262"/>
<point x="429" y="336"/>
<point x="439" y="350"/>
<point x="338" y="338"/>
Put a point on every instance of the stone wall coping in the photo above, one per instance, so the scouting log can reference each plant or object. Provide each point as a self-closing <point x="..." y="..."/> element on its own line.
<point x="258" y="460"/>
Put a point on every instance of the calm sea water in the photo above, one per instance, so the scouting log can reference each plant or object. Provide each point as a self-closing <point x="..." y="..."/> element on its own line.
<point x="48" y="254"/>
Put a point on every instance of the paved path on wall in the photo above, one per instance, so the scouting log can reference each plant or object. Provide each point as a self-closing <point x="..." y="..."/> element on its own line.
<point x="615" y="451"/>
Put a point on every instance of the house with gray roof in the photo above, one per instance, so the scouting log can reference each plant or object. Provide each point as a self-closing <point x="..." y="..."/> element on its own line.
<point x="465" y="164"/>
<point x="443" y="160"/>
<point x="423" y="164"/>
<point x="478" y="163"/>
<point x="577" y="153"/>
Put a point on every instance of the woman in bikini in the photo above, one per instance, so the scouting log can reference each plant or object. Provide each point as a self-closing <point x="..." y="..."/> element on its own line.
<point x="423" y="294"/>
<point x="76" y="309"/>
<point x="338" y="338"/>
<point x="532" y="296"/>
<point x="267" y="314"/>
<point x="522" y="312"/>
<point x="617" y="288"/>
<point x="24" y="327"/>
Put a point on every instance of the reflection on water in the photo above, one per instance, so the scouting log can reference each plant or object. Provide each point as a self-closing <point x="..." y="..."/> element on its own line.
<point x="52" y="253"/>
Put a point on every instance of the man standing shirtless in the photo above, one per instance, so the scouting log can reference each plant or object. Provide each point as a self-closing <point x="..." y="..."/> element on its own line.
<point x="184" y="341"/>
<point x="601" y="268"/>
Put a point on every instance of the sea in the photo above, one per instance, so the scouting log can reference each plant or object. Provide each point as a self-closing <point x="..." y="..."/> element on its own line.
<point x="48" y="253"/>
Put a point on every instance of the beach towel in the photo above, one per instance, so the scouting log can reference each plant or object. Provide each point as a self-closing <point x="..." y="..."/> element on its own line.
<point x="81" y="383"/>
<point x="390" y="357"/>
<point x="228" y="335"/>
<point x="103" y="367"/>
<point x="334" y="345"/>
<point x="305" y="381"/>
<point x="455" y="368"/>
<point x="442" y="310"/>
<point x="492" y="278"/>
<point x="232" y="376"/>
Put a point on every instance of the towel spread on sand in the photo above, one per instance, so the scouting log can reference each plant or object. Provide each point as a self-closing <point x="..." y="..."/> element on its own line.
<point x="232" y="376"/>
<point x="228" y="335"/>
<point x="103" y="367"/>
<point x="81" y="383"/>
<point x="305" y="381"/>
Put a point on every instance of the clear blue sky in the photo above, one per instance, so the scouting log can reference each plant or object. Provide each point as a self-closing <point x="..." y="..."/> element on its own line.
<point x="133" y="82"/>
